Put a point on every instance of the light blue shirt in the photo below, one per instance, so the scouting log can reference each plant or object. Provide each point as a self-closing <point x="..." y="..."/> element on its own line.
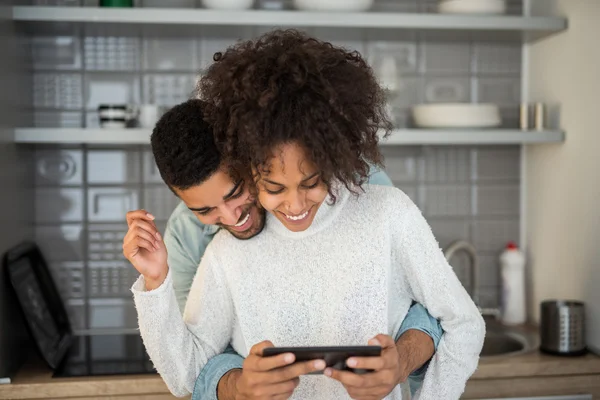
<point x="186" y="239"/>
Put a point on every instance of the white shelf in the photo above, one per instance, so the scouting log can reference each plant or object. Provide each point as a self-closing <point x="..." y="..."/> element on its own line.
<point x="398" y="137"/>
<point x="288" y="18"/>
<point x="472" y="136"/>
<point x="82" y="136"/>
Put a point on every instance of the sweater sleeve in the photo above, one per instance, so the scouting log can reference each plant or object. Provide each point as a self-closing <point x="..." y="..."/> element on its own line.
<point x="180" y="347"/>
<point x="433" y="283"/>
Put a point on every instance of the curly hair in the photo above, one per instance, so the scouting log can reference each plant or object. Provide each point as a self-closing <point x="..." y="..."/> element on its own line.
<point x="184" y="147"/>
<point x="288" y="87"/>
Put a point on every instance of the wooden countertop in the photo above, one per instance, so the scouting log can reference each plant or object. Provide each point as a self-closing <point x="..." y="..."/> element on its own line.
<point x="536" y="364"/>
<point x="34" y="381"/>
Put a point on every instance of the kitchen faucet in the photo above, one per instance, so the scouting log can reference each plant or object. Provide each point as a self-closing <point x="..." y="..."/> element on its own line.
<point x="469" y="249"/>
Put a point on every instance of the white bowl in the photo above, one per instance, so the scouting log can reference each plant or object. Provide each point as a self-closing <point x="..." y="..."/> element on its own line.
<point x="472" y="7"/>
<point x="456" y="115"/>
<point x="333" y="5"/>
<point x="228" y="4"/>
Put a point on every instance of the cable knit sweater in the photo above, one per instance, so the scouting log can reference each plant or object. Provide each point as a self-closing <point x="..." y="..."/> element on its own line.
<point x="351" y="275"/>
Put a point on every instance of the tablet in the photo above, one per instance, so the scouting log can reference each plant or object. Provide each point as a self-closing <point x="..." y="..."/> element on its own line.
<point x="334" y="356"/>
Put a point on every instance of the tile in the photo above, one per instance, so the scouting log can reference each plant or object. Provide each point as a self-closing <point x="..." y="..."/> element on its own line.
<point x="66" y="3"/>
<point x="58" y="205"/>
<point x="446" y="58"/>
<point x="500" y="91"/>
<point x="69" y="278"/>
<point x="218" y="39"/>
<point x="168" y="89"/>
<point x="498" y="200"/>
<point x="60" y="243"/>
<point x="443" y="36"/>
<point x="105" y="242"/>
<point x="111" y="88"/>
<point x="401" y="163"/>
<point x="446" y="231"/>
<point x="110" y="279"/>
<point x="56" y="52"/>
<point x="446" y="164"/>
<point x="112" y="313"/>
<point x="171" y="53"/>
<point x="461" y="264"/>
<point x="489" y="270"/>
<point x="446" y="200"/>
<point x="410" y="190"/>
<point x="391" y="61"/>
<point x="493" y="235"/>
<point x="57" y="90"/>
<point x="160" y="201"/>
<point x="111" y="204"/>
<point x="58" y="167"/>
<point x="109" y="52"/>
<point x="169" y="4"/>
<point x="408" y="92"/>
<point x="489" y="297"/>
<point x="396" y="5"/>
<point x="113" y="167"/>
<point x="511" y="118"/>
<point x="447" y="89"/>
<point x="428" y="6"/>
<point x="401" y="118"/>
<point x="389" y="35"/>
<point x="498" y="163"/>
<point x="57" y="119"/>
<point x="349" y="38"/>
<point x="497" y="58"/>
<point x="150" y="173"/>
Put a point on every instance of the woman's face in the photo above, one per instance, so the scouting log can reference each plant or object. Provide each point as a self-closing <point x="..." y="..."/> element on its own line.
<point x="292" y="190"/>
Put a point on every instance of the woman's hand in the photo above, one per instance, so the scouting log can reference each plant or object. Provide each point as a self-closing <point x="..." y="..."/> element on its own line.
<point x="388" y="372"/>
<point x="271" y="377"/>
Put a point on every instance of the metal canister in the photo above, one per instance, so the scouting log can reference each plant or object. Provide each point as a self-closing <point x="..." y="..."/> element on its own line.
<point x="562" y="327"/>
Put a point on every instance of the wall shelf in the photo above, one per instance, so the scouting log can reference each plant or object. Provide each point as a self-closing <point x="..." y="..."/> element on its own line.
<point x="289" y="18"/>
<point x="398" y="137"/>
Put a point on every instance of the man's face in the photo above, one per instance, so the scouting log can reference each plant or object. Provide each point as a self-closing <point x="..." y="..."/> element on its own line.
<point x="221" y="201"/>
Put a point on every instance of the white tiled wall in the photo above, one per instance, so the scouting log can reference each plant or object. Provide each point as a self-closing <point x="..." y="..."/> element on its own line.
<point x="82" y="193"/>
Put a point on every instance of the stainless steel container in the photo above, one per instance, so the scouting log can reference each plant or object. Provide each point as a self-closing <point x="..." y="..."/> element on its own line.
<point x="562" y="327"/>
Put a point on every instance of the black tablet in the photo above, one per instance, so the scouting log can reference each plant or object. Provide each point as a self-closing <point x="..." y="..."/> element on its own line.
<point x="334" y="356"/>
<point x="38" y="297"/>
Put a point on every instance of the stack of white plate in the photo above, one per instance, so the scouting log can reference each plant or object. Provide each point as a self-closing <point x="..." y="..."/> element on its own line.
<point x="333" y="5"/>
<point x="456" y="115"/>
<point x="472" y="6"/>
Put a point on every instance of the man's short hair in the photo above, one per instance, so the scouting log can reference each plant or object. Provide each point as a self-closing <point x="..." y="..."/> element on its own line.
<point x="184" y="147"/>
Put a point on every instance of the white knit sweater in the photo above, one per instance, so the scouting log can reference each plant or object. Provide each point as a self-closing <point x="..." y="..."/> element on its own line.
<point x="350" y="276"/>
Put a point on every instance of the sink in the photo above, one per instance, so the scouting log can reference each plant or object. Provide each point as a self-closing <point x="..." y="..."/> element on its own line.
<point x="496" y="344"/>
<point x="503" y="340"/>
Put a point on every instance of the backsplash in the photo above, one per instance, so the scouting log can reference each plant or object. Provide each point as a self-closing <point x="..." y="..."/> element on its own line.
<point x="82" y="195"/>
<point x="83" y="192"/>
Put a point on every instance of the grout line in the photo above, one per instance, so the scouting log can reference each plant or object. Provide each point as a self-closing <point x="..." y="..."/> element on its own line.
<point x="85" y="242"/>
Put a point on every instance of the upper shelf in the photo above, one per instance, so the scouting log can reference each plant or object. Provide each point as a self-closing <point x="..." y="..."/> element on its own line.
<point x="289" y="18"/>
<point x="398" y="137"/>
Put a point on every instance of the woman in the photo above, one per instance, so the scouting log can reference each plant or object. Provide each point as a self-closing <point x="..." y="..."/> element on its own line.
<point x="338" y="262"/>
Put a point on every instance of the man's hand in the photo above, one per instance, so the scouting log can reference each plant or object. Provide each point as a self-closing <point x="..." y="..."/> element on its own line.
<point x="143" y="246"/>
<point x="388" y="372"/>
<point x="270" y="378"/>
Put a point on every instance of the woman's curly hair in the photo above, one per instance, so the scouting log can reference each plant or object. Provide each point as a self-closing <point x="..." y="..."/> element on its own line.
<point x="286" y="87"/>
